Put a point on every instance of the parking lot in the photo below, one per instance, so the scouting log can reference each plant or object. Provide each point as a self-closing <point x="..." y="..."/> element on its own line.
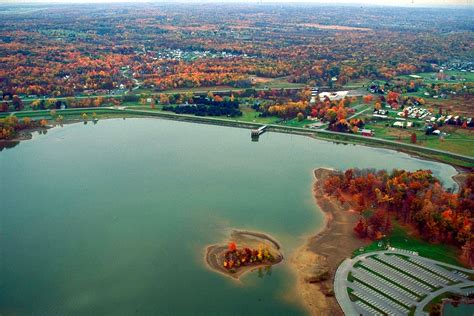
<point x="395" y="282"/>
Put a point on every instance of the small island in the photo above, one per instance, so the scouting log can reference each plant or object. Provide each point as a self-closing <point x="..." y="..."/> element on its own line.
<point x="244" y="252"/>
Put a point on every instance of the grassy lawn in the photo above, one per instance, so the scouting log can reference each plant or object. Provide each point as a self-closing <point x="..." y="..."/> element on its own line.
<point x="296" y="123"/>
<point x="279" y="83"/>
<point x="46" y="114"/>
<point x="418" y="94"/>
<point x="400" y="238"/>
<point x="139" y="106"/>
<point x="458" y="140"/>
<point x="250" y="115"/>
<point x="430" y="77"/>
<point x="199" y="89"/>
<point x="369" y="248"/>
<point x="387" y="132"/>
<point x="145" y="107"/>
<point x="358" y="83"/>
<point x="186" y="90"/>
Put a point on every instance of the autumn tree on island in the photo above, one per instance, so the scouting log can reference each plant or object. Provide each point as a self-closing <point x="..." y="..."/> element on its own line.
<point x="238" y="257"/>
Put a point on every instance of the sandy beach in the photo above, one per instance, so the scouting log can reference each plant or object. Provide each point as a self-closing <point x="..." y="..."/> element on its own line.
<point x="316" y="262"/>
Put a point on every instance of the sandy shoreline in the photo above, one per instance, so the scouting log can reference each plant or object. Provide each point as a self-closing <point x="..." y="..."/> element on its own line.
<point x="316" y="262"/>
<point x="460" y="177"/>
<point x="248" y="239"/>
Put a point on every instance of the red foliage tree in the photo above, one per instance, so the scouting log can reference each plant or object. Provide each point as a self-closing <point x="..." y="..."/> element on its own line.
<point x="414" y="198"/>
<point x="232" y="246"/>
<point x="360" y="229"/>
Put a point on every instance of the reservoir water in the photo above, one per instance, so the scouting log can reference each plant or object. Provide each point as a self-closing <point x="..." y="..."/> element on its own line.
<point x="114" y="218"/>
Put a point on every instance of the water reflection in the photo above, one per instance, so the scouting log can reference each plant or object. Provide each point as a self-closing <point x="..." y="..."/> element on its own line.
<point x="8" y="144"/>
<point x="264" y="271"/>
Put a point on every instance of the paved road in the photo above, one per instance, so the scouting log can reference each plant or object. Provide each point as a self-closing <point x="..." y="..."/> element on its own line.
<point x="126" y="75"/>
<point x="340" y="287"/>
<point x="453" y="288"/>
<point x="358" y="113"/>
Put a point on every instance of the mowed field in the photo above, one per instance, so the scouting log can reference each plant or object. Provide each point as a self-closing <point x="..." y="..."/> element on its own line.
<point x="451" y="76"/>
<point x="405" y="238"/>
<point x="457" y="140"/>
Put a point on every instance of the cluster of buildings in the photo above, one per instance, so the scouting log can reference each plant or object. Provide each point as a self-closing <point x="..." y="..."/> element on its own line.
<point x="179" y="54"/>
<point x="463" y="66"/>
<point x="414" y="113"/>
<point x="430" y="121"/>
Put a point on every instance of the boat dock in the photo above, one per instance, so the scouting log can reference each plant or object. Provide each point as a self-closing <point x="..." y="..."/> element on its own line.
<point x="259" y="131"/>
<point x="255" y="133"/>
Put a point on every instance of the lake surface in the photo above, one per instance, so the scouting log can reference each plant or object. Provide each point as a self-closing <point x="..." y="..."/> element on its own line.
<point x="114" y="218"/>
<point x="459" y="309"/>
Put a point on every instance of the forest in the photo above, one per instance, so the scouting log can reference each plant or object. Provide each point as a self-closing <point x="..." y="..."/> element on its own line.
<point x="206" y="106"/>
<point x="69" y="50"/>
<point x="417" y="199"/>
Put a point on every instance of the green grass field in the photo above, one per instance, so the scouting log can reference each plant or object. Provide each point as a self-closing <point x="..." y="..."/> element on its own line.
<point x="250" y="115"/>
<point x="46" y="114"/>
<point x="195" y="90"/>
<point x="430" y="77"/>
<point x="296" y="123"/>
<point x="358" y="83"/>
<point x="458" y="140"/>
<point x="279" y="83"/>
<point x="399" y="238"/>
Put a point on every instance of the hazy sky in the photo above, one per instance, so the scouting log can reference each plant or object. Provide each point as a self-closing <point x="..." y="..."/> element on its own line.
<point x="369" y="2"/>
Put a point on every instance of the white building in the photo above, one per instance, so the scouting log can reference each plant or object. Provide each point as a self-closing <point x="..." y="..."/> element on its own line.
<point x="333" y="96"/>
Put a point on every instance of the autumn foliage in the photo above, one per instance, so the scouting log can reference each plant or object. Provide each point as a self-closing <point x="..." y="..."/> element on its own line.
<point x="11" y="126"/>
<point x="232" y="246"/>
<point x="417" y="199"/>
<point x="235" y="257"/>
<point x="65" y="51"/>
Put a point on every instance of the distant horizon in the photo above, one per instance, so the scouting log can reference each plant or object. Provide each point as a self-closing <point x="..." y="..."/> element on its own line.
<point x="399" y="3"/>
